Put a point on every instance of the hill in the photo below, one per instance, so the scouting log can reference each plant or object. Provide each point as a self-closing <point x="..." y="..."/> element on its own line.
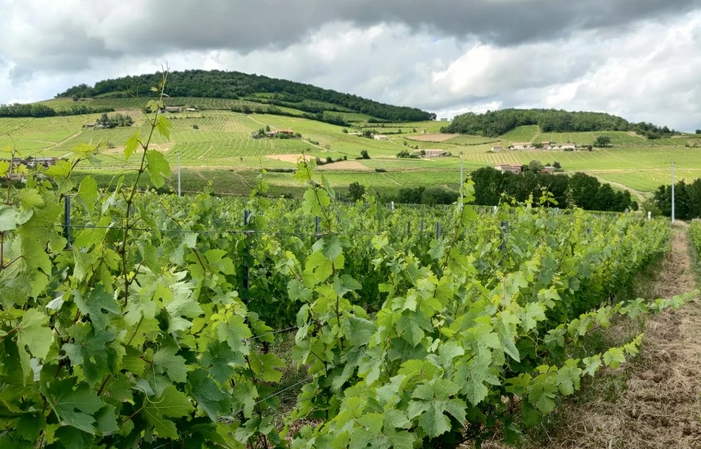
<point x="255" y="88"/>
<point x="498" y="123"/>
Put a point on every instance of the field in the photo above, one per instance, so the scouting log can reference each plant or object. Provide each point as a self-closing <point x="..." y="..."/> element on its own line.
<point x="217" y="139"/>
<point x="193" y="318"/>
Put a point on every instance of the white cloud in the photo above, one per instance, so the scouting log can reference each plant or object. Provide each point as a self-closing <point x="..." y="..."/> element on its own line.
<point x="643" y="70"/>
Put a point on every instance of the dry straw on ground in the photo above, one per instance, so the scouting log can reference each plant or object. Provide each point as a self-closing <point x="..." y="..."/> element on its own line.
<point x="658" y="406"/>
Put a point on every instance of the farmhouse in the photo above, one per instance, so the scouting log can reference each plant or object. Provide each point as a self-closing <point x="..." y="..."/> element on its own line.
<point x="380" y="137"/>
<point x="568" y="146"/>
<point x="43" y="161"/>
<point x="173" y="109"/>
<point x="287" y="132"/>
<point x="432" y="153"/>
<point x="513" y="168"/>
<point x="190" y="109"/>
<point x="549" y="169"/>
<point x="497" y="149"/>
<point x="522" y="146"/>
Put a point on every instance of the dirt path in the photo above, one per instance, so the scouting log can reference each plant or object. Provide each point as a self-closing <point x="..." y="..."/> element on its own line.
<point x="659" y="406"/>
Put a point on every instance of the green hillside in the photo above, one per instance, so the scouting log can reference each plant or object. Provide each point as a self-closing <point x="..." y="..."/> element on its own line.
<point x="256" y="88"/>
<point x="497" y="123"/>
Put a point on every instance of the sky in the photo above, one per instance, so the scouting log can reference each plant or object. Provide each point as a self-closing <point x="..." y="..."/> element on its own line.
<point x="640" y="59"/>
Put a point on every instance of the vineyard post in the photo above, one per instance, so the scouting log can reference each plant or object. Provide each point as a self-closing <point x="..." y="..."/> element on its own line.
<point x="649" y="216"/>
<point x="438" y="230"/>
<point x="67" y="221"/>
<point x="178" y="174"/>
<point x="408" y="228"/>
<point x="496" y="208"/>
<point x="317" y="226"/>
<point x="247" y="269"/>
<point x="391" y="206"/>
<point x="504" y="230"/>
<point x="673" y="217"/>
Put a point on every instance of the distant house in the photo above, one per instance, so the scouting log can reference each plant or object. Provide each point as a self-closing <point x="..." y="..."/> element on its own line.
<point x="173" y="109"/>
<point x="89" y="125"/>
<point x="568" y="146"/>
<point x="497" y="148"/>
<point x="190" y="109"/>
<point x="522" y="146"/>
<point x="513" y="168"/>
<point x="380" y="137"/>
<point x="549" y="169"/>
<point x="42" y="161"/>
<point x="445" y="119"/>
<point x="277" y="132"/>
<point x="432" y="153"/>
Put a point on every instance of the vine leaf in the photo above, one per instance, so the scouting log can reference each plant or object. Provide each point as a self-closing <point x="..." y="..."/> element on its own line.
<point x="170" y="404"/>
<point x="432" y="401"/>
<point x="75" y="407"/>
<point x="34" y="334"/>
<point x="173" y="365"/>
<point x="158" y="168"/>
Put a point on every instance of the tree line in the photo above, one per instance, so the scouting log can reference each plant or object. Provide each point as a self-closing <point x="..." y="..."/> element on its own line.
<point x="580" y="190"/>
<point x="234" y="85"/>
<point x="36" y="110"/>
<point x="687" y="200"/>
<point x="497" y="123"/>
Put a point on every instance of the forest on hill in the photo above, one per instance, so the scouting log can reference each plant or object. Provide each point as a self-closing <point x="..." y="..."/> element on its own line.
<point x="497" y="123"/>
<point x="235" y="85"/>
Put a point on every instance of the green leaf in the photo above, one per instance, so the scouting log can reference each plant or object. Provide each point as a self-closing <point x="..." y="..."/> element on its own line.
<point x="163" y="126"/>
<point x="30" y="198"/>
<point x="8" y="218"/>
<point x="432" y="405"/>
<point x="131" y="145"/>
<point x="473" y="375"/>
<point x="173" y="365"/>
<point x="182" y="306"/>
<point x="592" y="365"/>
<point x="88" y="191"/>
<point x="411" y="326"/>
<point x="542" y="395"/>
<point x="75" y="407"/>
<point x="170" y="404"/>
<point x="100" y="306"/>
<point x="91" y="351"/>
<point x="106" y="420"/>
<point x="220" y="360"/>
<point x="234" y="332"/>
<point x="34" y="334"/>
<point x="358" y="330"/>
<point x="208" y="395"/>
<point x="614" y="357"/>
<point x="158" y="168"/>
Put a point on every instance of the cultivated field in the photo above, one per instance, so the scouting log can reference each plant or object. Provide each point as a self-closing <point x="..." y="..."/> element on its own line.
<point x="218" y="139"/>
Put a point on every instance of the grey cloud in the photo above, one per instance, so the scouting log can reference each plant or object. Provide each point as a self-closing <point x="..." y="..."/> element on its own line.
<point x="156" y="26"/>
<point x="252" y="24"/>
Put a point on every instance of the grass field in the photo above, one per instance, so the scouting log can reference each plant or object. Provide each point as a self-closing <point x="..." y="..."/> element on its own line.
<point x="216" y="144"/>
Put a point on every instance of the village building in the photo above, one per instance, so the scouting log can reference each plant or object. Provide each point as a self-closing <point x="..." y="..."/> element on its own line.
<point x="380" y="137"/>
<point x="277" y="132"/>
<point x="173" y="109"/>
<point x="513" y="168"/>
<point x="568" y="146"/>
<point x="522" y="146"/>
<point x="432" y="153"/>
<point x="190" y="109"/>
<point x="549" y="169"/>
<point x="497" y="148"/>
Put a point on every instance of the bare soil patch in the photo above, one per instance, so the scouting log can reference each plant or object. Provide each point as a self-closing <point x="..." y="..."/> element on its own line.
<point x="162" y="147"/>
<point x="654" y="402"/>
<point x="433" y="137"/>
<point x="291" y="158"/>
<point x="345" y="166"/>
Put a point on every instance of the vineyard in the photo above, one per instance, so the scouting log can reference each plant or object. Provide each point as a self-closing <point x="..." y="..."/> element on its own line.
<point x="136" y="320"/>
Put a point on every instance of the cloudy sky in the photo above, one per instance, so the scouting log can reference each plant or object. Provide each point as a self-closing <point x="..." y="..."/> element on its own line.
<point x="637" y="58"/>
